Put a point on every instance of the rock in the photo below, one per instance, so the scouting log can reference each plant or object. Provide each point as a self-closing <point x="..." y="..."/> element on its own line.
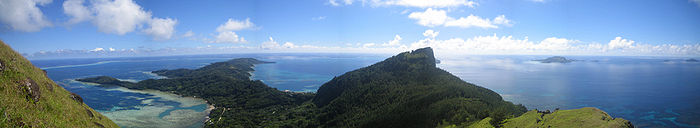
<point x="89" y="113"/>
<point x="99" y="125"/>
<point x="76" y="97"/>
<point x="32" y="89"/>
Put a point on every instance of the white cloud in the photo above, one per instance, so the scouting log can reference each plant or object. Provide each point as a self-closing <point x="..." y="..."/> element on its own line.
<point x="436" y="17"/>
<point x="97" y="50"/>
<point x="410" y="3"/>
<point x="550" y="46"/>
<point x="319" y="18"/>
<point x="430" y="17"/>
<point x="431" y="3"/>
<point x="540" y="1"/>
<point x="619" y="43"/>
<point x="77" y="11"/>
<point x="235" y="25"/>
<point x="270" y="44"/>
<point x="470" y="21"/>
<point x="119" y="17"/>
<point x="502" y="20"/>
<point x="226" y="34"/>
<point x="368" y="45"/>
<point x="430" y="33"/>
<point x="228" y="37"/>
<point x="23" y="15"/>
<point x="112" y="49"/>
<point x="161" y="29"/>
<point x="395" y="42"/>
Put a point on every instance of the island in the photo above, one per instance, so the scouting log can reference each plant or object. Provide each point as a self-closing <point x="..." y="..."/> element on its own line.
<point x="405" y="90"/>
<point x="691" y="60"/>
<point x="555" y="59"/>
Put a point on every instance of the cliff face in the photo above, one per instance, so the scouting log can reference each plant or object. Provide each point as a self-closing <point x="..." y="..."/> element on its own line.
<point x="28" y="98"/>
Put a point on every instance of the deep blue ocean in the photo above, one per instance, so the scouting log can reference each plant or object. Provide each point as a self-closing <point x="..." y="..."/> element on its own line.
<point x="649" y="91"/>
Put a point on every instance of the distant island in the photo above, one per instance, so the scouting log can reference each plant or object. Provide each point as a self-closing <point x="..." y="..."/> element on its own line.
<point x="405" y="90"/>
<point x="691" y="60"/>
<point x="555" y="59"/>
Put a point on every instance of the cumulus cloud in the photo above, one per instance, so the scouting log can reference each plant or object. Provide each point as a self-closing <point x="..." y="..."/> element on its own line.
<point x="161" y="29"/>
<point x="553" y="45"/>
<point x="77" y="11"/>
<point x="228" y="37"/>
<point x="23" y="15"/>
<point x="272" y="44"/>
<point x="619" y="43"/>
<point x="436" y="17"/>
<point x="119" y="17"/>
<point x="430" y="33"/>
<point x="235" y="25"/>
<point x="410" y="3"/>
<point x="226" y="30"/>
<point x="395" y="42"/>
<point x="430" y="17"/>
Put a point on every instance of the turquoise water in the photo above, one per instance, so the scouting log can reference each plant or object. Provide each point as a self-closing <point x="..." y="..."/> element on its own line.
<point x="649" y="91"/>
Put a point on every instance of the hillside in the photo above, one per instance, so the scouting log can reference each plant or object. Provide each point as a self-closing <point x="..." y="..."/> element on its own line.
<point x="407" y="90"/>
<point x="584" y="117"/>
<point x="28" y="98"/>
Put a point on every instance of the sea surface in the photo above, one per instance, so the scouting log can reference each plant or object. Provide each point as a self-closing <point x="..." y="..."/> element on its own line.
<point x="649" y="91"/>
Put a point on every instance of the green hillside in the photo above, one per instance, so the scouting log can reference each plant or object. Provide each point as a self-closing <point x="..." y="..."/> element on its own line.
<point x="28" y="98"/>
<point x="584" y="118"/>
<point x="407" y="90"/>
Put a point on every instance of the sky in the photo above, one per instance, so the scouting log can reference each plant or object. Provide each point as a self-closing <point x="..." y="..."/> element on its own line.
<point x="103" y="28"/>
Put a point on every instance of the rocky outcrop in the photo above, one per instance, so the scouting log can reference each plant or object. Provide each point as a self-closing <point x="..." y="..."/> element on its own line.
<point x="31" y="89"/>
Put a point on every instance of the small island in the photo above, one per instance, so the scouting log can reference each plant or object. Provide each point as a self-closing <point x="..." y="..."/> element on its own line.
<point x="691" y="60"/>
<point x="555" y="59"/>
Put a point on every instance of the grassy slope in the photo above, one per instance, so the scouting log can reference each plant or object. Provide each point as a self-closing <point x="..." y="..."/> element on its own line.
<point x="584" y="118"/>
<point x="55" y="107"/>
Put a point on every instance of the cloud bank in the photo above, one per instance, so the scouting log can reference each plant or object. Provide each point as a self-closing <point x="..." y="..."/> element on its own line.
<point x="119" y="17"/>
<point x="23" y="15"/>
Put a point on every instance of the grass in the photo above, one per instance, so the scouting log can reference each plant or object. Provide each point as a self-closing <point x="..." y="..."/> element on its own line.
<point x="55" y="107"/>
<point x="587" y="117"/>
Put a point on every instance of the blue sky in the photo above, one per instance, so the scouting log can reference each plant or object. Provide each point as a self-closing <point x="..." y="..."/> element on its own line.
<point x="157" y="27"/>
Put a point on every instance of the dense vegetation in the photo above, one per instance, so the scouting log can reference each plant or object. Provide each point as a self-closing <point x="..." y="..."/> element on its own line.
<point x="30" y="99"/>
<point x="239" y="101"/>
<point x="406" y="90"/>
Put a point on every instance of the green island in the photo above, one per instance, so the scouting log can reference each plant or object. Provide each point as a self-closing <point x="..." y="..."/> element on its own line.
<point x="406" y="90"/>
<point x="28" y="98"/>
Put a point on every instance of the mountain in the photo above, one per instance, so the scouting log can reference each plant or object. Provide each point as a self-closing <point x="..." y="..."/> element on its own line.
<point x="28" y="98"/>
<point x="405" y="90"/>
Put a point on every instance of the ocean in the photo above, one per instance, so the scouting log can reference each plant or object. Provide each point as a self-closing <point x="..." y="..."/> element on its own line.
<point x="649" y="91"/>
